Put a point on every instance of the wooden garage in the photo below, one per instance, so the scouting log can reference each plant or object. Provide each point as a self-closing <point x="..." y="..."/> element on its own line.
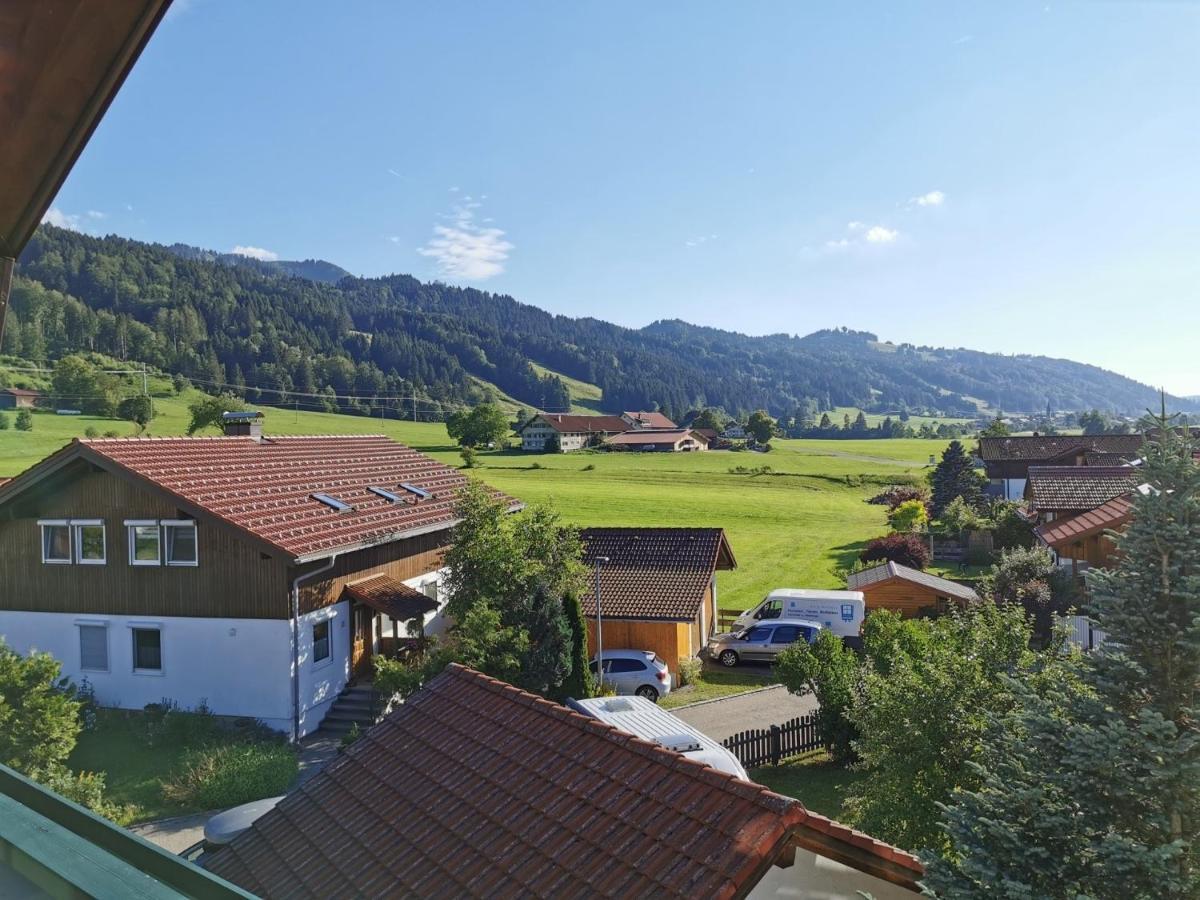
<point x="908" y="591"/>
<point x="658" y="588"/>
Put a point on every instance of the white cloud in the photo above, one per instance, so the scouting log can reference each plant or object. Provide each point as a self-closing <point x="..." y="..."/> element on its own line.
<point x="56" y="217"/>
<point x="697" y="241"/>
<point x="877" y="234"/>
<point x="855" y="226"/>
<point x="965" y="39"/>
<point x="256" y="253"/>
<point x="394" y="238"/>
<point x="466" y="249"/>
<point x="839" y="244"/>
<point x="933" y="198"/>
<point x="96" y="214"/>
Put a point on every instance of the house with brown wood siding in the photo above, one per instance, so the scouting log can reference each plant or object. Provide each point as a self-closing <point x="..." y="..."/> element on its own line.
<point x="657" y="588"/>
<point x="909" y="592"/>
<point x="258" y="574"/>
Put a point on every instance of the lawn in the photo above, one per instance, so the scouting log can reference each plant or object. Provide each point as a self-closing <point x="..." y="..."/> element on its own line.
<point x="789" y="527"/>
<point x="713" y="685"/>
<point x="812" y="779"/>
<point x="135" y="770"/>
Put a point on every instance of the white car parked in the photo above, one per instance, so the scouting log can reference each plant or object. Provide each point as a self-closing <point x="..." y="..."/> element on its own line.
<point x="638" y="672"/>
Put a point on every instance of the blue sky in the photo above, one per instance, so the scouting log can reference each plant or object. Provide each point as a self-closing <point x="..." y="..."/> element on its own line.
<point x="1008" y="177"/>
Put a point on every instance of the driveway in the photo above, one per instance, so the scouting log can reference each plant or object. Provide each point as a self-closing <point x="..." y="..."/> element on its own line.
<point x="722" y="718"/>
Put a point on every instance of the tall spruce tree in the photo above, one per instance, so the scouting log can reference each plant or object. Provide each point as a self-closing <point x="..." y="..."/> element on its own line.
<point x="955" y="476"/>
<point x="1093" y="790"/>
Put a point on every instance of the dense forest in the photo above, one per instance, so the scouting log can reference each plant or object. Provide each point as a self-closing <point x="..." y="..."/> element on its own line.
<point x="231" y="321"/>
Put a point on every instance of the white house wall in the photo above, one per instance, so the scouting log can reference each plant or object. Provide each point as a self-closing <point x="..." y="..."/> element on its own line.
<point x="320" y="682"/>
<point x="817" y="876"/>
<point x="239" y="667"/>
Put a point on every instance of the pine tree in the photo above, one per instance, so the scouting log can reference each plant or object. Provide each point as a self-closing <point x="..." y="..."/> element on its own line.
<point x="955" y="476"/>
<point x="579" y="683"/>
<point x="1093" y="789"/>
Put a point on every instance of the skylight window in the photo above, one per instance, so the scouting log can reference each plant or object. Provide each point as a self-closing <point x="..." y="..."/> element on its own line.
<point x="421" y="493"/>
<point x="385" y="494"/>
<point x="333" y="502"/>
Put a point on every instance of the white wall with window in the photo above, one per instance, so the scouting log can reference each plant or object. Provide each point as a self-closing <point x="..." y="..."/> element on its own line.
<point x="431" y="585"/>
<point x="324" y="662"/>
<point x="240" y="667"/>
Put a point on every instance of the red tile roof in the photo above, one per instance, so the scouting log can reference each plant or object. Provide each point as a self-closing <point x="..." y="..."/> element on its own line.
<point x="1078" y="487"/>
<point x="565" y="424"/>
<point x="473" y="788"/>
<point x="265" y="487"/>
<point x="653" y="573"/>
<point x="649" y="419"/>
<point x="393" y="598"/>
<point x="1111" y="515"/>
<point x="865" y="579"/>
<point x="1051" y="446"/>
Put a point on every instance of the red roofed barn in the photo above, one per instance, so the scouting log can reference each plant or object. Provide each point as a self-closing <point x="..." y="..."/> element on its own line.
<point x="184" y="567"/>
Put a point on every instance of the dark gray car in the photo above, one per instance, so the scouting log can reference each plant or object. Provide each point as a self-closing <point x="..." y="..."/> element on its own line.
<point x="762" y="643"/>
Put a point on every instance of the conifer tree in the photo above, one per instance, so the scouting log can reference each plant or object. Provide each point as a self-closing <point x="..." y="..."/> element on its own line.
<point x="955" y="476"/>
<point x="1093" y="790"/>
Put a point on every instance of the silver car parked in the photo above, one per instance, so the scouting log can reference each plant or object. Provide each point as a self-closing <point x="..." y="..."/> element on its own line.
<point x="762" y="643"/>
<point x="638" y="672"/>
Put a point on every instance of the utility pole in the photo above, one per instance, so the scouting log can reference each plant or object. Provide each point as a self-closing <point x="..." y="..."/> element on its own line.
<point x="146" y="390"/>
<point x="599" y="561"/>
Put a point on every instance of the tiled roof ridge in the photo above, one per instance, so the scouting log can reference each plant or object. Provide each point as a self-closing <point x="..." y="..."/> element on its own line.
<point x="794" y="811"/>
<point x="263" y="439"/>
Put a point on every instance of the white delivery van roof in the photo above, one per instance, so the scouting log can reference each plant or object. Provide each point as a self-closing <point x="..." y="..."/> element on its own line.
<point x="645" y="719"/>
<point x="808" y="594"/>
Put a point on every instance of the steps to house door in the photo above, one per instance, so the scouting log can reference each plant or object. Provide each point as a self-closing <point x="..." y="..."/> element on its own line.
<point x="352" y="707"/>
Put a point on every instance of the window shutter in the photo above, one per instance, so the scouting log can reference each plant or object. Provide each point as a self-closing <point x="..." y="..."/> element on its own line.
<point x="93" y="647"/>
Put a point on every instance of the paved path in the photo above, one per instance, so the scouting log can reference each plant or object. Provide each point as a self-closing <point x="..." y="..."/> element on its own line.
<point x="755" y="709"/>
<point x="177" y="834"/>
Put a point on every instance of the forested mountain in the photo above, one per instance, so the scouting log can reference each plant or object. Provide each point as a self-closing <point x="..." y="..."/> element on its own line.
<point x="364" y="342"/>
<point x="312" y="269"/>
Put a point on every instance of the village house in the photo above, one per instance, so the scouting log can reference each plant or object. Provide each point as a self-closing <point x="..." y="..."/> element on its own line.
<point x="473" y="788"/>
<point x="640" y="420"/>
<point x="1055" y="492"/>
<point x="1006" y="460"/>
<point x="658" y="588"/>
<point x="18" y="398"/>
<point x="568" y="432"/>
<point x="257" y="574"/>
<point x="735" y="432"/>
<point x="675" y="440"/>
<point x="909" y="592"/>
<point x="1082" y="541"/>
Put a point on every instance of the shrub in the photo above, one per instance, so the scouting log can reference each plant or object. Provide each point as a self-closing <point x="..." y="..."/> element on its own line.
<point x="350" y="736"/>
<point x="589" y="467"/>
<point x="91" y="432"/>
<point x="905" y="549"/>
<point x="166" y="725"/>
<point x="908" y="516"/>
<point x="828" y="671"/>
<point x="24" y="420"/>
<point x="536" y="465"/>
<point x="900" y="493"/>
<point x="690" y="668"/>
<point x="469" y="457"/>
<point x="958" y="517"/>
<point x="85" y="788"/>
<point x="220" y="777"/>
<point x="3" y="421"/>
<point x="111" y="434"/>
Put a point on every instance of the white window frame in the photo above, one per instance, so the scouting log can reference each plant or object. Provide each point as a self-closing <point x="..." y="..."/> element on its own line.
<point x="80" y="624"/>
<point x="130" y="525"/>
<point x="135" y="627"/>
<point x="77" y="526"/>
<point x="43" y="524"/>
<point x="328" y="657"/>
<point x="166" y="543"/>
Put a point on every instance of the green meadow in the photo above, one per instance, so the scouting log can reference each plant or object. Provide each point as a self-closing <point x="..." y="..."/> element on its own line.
<point x="791" y="526"/>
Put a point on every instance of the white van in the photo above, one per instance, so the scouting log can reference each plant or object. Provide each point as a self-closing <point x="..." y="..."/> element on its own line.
<point x="842" y="612"/>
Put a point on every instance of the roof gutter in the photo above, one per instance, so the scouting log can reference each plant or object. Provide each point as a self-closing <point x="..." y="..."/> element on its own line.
<point x="296" y="582"/>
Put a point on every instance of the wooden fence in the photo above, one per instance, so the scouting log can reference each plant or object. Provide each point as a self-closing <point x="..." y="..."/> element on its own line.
<point x="725" y="618"/>
<point x="760" y="746"/>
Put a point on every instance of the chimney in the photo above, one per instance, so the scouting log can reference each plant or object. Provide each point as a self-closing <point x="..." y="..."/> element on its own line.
<point x="243" y="424"/>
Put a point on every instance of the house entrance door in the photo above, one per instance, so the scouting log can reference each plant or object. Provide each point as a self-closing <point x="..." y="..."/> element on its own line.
<point x="360" y="642"/>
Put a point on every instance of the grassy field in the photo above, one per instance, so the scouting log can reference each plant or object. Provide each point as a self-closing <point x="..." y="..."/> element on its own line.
<point x="585" y="397"/>
<point x="713" y="685"/>
<point x="873" y="419"/>
<point x="789" y="527"/>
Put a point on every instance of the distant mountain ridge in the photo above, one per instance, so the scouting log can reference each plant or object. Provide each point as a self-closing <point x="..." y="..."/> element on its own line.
<point x="363" y="343"/>
<point x="312" y="269"/>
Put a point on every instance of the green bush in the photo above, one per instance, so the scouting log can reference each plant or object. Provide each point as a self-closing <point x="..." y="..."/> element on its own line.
<point x="689" y="670"/>
<point x="220" y="777"/>
<point x="24" y="420"/>
<point x="3" y="421"/>
<point x="85" y="788"/>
